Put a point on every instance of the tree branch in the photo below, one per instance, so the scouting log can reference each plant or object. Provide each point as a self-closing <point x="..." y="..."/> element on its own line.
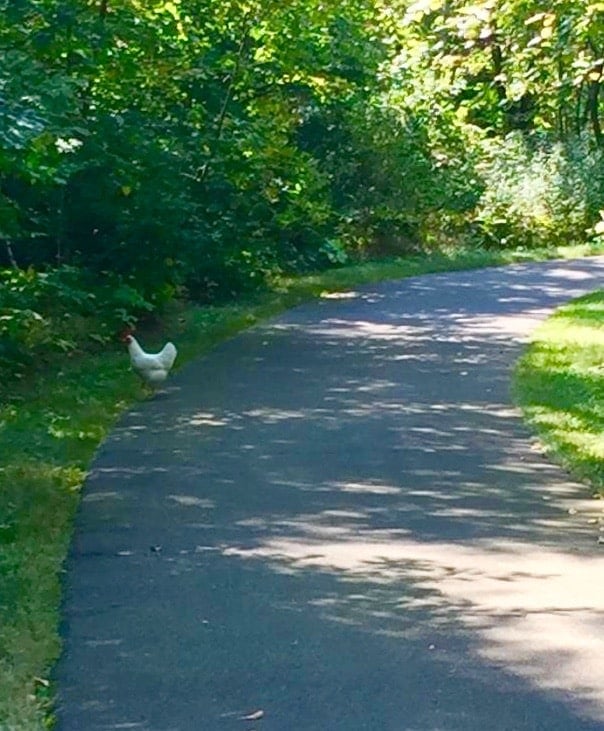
<point x="229" y="92"/>
<point x="11" y="255"/>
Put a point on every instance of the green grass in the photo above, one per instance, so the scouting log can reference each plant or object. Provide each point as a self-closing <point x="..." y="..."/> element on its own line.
<point x="51" y="426"/>
<point x="559" y="384"/>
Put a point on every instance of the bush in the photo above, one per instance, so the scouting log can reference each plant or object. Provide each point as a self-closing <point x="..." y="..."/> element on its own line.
<point x="536" y="193"/>
<point x="62" y="310"/>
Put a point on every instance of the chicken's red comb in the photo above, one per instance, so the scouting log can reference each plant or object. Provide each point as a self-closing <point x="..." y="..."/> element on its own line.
<point x="126" y="332"/>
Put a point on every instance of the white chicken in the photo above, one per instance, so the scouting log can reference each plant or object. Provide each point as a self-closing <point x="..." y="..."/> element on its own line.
<point x="153" y="368"/>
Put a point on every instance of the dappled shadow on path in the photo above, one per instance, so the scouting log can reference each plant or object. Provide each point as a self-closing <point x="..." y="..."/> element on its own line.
<point x="354" y="473"/>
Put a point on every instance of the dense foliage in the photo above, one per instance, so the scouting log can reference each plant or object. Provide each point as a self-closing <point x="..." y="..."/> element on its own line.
<point x="150" y="150"/>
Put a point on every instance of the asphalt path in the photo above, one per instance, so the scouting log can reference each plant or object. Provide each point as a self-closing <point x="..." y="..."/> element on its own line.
<point x="336" y="521"/>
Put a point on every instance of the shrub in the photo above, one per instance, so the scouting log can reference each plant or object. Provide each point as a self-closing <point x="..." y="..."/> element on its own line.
<point x="536" y="193"/>
<point x="61" y="310"/>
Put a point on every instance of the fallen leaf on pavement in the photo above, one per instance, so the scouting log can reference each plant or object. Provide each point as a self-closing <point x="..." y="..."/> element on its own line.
<point x="255" y="716"/>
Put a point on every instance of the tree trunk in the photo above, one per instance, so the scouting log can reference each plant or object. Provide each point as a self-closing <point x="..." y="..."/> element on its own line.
<point x="497" y="58"/>
<point x="594" y="115"/>
<point x="593" y="94"/>
<point x="578" y="114"/>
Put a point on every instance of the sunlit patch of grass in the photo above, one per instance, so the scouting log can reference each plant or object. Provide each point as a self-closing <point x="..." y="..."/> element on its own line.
<point x="559" y="383"/>
<point x="50" y="428"/>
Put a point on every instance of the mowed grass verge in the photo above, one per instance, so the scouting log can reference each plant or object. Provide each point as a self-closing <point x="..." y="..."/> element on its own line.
<point x="559" y="383"/>
<point x="50" y="428"/>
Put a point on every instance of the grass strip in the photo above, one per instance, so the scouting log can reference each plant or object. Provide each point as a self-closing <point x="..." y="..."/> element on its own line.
<point x="559" y="383"/>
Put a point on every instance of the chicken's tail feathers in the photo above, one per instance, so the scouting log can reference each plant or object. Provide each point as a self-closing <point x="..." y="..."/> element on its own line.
<point x="168" y="355"/>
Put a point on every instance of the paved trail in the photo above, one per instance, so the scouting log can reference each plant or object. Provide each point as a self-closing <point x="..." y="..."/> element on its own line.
<point x="337" y="518"/>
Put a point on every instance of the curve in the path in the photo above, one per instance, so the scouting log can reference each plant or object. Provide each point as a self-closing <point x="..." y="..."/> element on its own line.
<point x="337" y="518"/>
